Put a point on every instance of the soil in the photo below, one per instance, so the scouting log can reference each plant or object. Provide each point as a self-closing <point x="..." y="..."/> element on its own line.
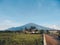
<point x="50" y="40"/>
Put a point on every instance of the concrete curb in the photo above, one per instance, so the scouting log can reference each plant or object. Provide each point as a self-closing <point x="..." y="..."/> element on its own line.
<point x="44" y="40"/>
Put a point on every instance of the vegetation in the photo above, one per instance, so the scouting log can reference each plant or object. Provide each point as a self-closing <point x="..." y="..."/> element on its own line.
<point x="13" y="38"/>
<point x="41" y="31"/>
<point x="59" y="34"/>
<point x="47" y="31"/>
<point x="30" y="29"/>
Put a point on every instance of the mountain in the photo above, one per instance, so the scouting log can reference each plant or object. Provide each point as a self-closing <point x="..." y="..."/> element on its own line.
<point x="28" y="26"/>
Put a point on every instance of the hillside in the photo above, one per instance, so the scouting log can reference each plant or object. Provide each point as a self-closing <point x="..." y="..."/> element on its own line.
<point x="28" y="26"/>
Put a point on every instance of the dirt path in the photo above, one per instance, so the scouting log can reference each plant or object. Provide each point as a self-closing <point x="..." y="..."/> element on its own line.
<point x="50" y="40"/>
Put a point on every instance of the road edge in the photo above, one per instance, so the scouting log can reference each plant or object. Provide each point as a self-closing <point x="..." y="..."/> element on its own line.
<point x="44" y="40"/>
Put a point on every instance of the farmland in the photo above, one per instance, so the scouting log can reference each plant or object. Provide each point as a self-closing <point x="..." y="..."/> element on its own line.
<point x="20" y="39"/>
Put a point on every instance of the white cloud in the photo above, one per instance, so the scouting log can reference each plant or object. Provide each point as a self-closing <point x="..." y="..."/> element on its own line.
<point x="7" y="24"/>
<point x="53" y="26"/>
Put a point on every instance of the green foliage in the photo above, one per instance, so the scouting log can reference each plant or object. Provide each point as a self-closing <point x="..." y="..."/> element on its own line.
<point x="26" y="29"/>
<point x="59" y="32"/>
<point x="47" y="31"/>
<point x="41" y="31"/>
<point x="33" y="27"/>
<point x="20" y="39"/>
<point x="30" y="29"/>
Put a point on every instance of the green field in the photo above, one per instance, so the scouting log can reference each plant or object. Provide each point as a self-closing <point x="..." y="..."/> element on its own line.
<point x="20" y="39"/>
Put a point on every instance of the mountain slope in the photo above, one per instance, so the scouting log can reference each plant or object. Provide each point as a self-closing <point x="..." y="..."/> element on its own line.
<point x="28" y="26"/>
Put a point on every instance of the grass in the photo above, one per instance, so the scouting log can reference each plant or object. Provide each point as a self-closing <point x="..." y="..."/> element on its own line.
<point x="20" y="39"/>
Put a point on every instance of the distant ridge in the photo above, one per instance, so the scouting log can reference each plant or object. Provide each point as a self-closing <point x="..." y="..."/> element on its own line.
<point x="28" y="26"/>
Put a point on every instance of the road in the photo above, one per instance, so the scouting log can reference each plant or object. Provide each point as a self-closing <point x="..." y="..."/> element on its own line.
<point x="50" y="40"/>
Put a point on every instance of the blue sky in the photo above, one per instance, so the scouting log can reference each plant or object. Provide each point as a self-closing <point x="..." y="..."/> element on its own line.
<point x="20" y="12"/>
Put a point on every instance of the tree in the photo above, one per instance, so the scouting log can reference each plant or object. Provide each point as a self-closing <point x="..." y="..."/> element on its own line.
<point x="41" y="31"/>
<point x="36" y="31"/>
<point x="33" y="27"/>
<point x="47" y="31"/>
<point x="26" y="29"/>
<point x="59" y="34"/>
